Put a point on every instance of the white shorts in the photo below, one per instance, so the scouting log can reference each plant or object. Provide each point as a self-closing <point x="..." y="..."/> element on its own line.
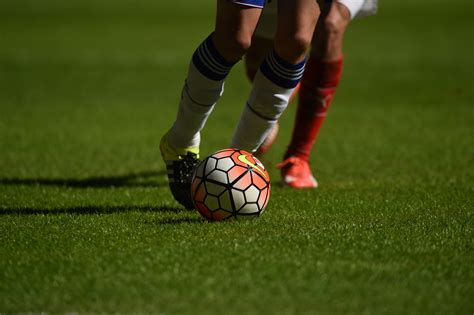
<point x="267" y="25"/>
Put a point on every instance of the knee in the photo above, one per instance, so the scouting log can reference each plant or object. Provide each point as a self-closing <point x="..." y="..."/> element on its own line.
<point x="242" y="43"/>
<point x="233" y="47"/>
<point x="335" y="23"/>
<point x="301" y="42"/>
<point x="294" y="48"/>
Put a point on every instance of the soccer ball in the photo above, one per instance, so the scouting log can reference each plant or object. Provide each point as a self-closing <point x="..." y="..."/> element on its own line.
<point x="230" y="183"/>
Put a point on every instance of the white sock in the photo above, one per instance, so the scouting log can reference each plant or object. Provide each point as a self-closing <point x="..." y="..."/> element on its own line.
<point x="272" y="87"/>
<point x="203" y="87"/>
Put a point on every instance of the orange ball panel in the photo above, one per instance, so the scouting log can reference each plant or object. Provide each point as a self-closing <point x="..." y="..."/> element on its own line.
<point x="235" y="172"/>
<point x="220" y="215"/>
<point x="200" y="193"/>
<point x="223" y="153"/>
<point x="244" y="182"/>
<point x="203" y="210"/>
<point x="258" y="180"/>
<point x="195" y="185"/>
<point x="262" y="198"/>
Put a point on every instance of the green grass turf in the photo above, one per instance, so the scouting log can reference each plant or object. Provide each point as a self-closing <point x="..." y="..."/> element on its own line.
<point x="88" y="224"/>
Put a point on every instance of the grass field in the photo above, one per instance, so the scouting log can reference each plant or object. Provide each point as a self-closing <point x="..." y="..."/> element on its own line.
<point x="88" y="223"/>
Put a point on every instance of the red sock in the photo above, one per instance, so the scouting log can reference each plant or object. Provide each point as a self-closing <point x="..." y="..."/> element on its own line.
<point x="318" y="87"/>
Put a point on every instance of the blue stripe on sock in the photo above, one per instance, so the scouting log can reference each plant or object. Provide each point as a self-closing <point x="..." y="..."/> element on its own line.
<point x="210" y="62"/>
<point x="275" y="64"/>
<point x="216" y="55"/>
<point x="282" y="73"/>
<point x="286" y="64"/>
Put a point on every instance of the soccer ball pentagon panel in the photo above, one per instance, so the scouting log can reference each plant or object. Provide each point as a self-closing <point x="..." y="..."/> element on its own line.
<point x="230" y="183"/>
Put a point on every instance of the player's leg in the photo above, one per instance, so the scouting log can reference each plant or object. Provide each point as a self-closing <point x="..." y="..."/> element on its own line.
<point x="256" y="54"/>
<point x="254" y="57"/>
<point x="210" y="64"/>
<point x="318" y="86"/>
<point x="295" y="28"/>
<point x="278" y="74"/>
<point x="262" y="40"/>
<point x="262" y="44"/>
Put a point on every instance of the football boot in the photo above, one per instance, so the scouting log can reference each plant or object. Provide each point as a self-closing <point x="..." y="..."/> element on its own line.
<point x="180" y="165"/>
<point x="296" y="173"/>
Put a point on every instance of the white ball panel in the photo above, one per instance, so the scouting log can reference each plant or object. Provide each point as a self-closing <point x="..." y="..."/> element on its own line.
<point x="214" y="189"/>
<point x="200" y="169"/>
<point x="252" y="194"/>
<point x="211" y="202"/>
<point x="225" y="164"/>
<point x="210" y="165"/>
<point x="249" y="208"/>
<point x="218" y="176"/>
<point x="226" y="203"/>
<point x="239" y="198"/>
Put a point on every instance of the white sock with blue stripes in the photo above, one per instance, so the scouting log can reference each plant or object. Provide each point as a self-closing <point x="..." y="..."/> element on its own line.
<point x="203" y="87"/>
<point x="272" y="87"/>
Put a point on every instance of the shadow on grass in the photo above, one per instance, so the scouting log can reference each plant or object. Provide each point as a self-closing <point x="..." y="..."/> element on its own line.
<point x="177" y="221"/>
<point x="85" y="210"/>
<point x="138" y="179"/>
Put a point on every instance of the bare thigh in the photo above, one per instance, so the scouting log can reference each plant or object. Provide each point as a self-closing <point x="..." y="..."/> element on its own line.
<point x="329" y="35"/>
<point x="234" y="28"/>
<point x="296" y="24"/>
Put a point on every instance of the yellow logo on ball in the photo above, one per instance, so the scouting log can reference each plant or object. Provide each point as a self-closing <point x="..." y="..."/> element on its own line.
<point x="258" y="168"/>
